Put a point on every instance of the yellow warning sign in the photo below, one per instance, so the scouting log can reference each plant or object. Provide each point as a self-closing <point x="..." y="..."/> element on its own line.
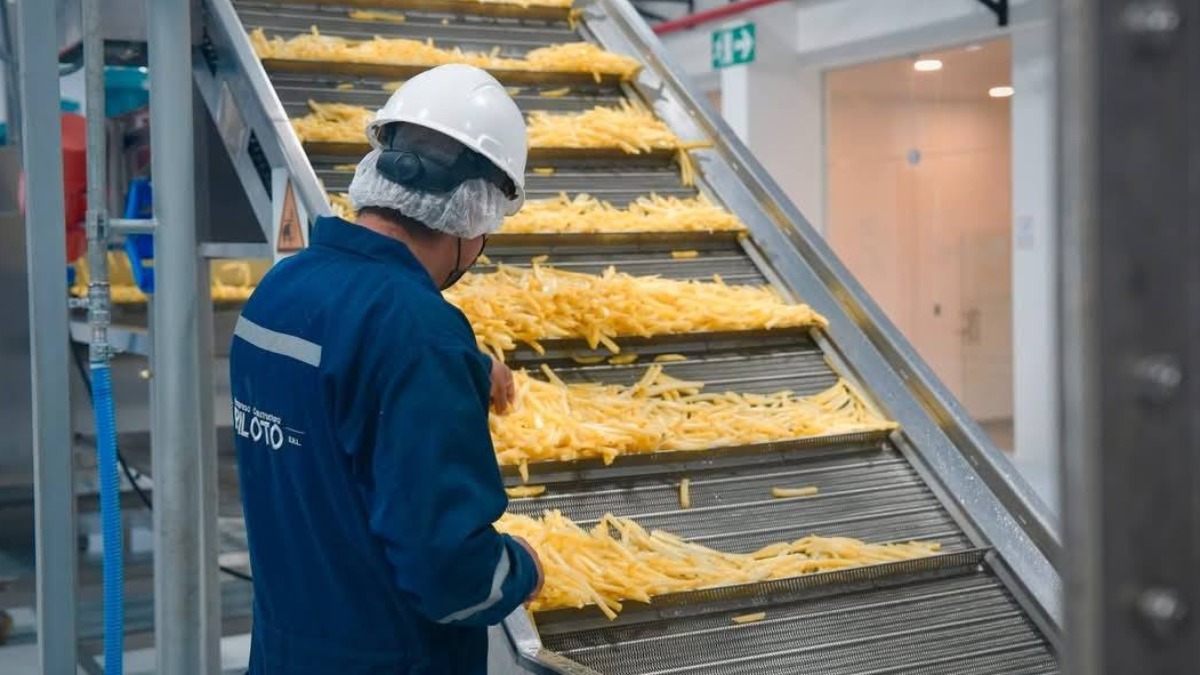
<point x="289" y="236"/>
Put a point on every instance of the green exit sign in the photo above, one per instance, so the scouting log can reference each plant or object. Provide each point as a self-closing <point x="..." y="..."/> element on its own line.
<point x="733" y="46"/>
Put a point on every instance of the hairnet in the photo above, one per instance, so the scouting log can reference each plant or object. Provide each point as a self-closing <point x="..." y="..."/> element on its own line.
<point x="473" y="208"/>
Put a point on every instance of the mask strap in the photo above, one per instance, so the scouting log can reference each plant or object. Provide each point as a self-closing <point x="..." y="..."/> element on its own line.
<point x="456" y="273"/>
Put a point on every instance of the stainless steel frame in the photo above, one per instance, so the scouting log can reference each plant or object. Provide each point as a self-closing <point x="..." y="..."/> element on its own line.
<point x="1130" y="292"/>
<point x="250" y="117"/>
<point x="54" y="491"/>
<point x="183" y="457"/>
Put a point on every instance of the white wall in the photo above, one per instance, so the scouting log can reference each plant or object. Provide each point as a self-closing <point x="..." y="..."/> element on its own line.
<point x="829" y="33"/>
<point x="784" y="130"/>
<point x="928" y="237"/>
<point x="1035" y="255"/>
<point x="776" y="104"/>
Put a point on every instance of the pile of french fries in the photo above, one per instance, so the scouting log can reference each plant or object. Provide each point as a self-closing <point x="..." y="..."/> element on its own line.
<point x="628" y="128"/>
<point x="232" y="280"/>
<point x="334" y="122"/>
<point x="617" y="560"/>
<point x="514" y="305"/>
<point x="587" y="215"/>
<point x="556" y="421"/>
<point x="574" y="57"/>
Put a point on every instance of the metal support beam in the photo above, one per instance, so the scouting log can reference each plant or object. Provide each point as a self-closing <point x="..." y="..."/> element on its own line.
<point x="210" y="549"/>
<point x="54" y="490"/>
<point x="124" y="226"/>
<point x="1130" y="293"/>
<point x="180" y="547"/>
<point x="999" y="8"/>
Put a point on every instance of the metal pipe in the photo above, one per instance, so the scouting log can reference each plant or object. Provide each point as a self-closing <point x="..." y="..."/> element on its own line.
<point x="53" y="470"/>
<point x="99" y="301"/>
<point x="177" y="440"/>
<point x="97" y="183"/>
<point x="124" y="226"/>
<point x="1129" y="333"/>
<point x="722" y="12"/>
<point x="1079" y="479"/>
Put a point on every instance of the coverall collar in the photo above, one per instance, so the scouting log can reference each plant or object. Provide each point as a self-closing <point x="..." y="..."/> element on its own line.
<point x="336" y="233"/>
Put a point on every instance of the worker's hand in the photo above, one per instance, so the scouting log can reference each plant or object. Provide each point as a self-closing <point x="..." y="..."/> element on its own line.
<point x="504" y="390"/>
<point x="541" y="573"/>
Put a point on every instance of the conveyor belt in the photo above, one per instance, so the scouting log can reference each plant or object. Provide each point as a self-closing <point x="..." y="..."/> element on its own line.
<point x="936" y="616"/>
<point x="714" y="255"/>
<point x="513" y="37"/>
<point x="295" y="91"/>
<point x="867" y="491"/>
<point x="961" y="625"/>
<point x="619" y="185"/>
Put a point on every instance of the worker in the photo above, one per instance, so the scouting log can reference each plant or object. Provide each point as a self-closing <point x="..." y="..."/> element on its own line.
<point x="360" y="402"/>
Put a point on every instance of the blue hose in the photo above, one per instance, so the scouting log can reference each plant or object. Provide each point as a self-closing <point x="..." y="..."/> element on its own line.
<point x="110" y="516"/>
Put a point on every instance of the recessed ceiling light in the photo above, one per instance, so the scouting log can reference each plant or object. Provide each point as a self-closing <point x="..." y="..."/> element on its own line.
<point x="927" y="65"/>
<point x="1000" y="92"/>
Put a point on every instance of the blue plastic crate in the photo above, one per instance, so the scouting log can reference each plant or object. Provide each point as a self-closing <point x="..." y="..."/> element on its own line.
<point x="140" y="247"/>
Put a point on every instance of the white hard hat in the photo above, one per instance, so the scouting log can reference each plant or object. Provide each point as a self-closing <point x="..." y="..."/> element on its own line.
<point x="468" y="105"/>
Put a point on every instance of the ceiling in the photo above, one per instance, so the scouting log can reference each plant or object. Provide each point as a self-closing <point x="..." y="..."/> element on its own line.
<point x="967" y="73"/>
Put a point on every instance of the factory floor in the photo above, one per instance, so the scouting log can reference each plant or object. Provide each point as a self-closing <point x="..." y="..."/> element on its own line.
<point x="23" y="659"/>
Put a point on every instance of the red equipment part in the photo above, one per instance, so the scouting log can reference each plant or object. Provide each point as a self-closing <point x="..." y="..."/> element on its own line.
<point x="74" y="151"/>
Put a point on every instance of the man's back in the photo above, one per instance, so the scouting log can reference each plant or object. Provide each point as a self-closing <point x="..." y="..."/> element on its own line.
<point x="368" y="480"/>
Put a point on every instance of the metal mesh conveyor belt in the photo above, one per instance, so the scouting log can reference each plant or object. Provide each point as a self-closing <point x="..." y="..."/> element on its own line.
<point x="619" y="185"/>
<point x="960" y="625"/>
<point x="514" y="37"/>
<point x="721" y="256"/>
<point x="945" y="615"/>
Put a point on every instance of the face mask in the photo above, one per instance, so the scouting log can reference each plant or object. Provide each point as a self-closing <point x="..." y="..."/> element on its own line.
<point x="458" y="273"/>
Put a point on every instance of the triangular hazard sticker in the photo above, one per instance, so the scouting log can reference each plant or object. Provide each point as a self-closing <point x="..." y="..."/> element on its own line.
<point x="289" y="236"/>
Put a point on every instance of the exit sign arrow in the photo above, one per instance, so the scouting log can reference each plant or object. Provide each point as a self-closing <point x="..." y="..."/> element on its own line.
<point x="733" y="46"/>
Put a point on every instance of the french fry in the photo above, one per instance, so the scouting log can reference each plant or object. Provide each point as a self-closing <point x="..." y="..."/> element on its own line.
<point x="373" y="15"/>
<point x="685" y="493"/>
<point x="525" y="491"/>
<point x="750" y="618"/>
<point x="788" y="493"/>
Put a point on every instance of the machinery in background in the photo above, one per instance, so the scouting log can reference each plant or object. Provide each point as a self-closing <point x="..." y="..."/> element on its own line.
<point x="990" y="605"/>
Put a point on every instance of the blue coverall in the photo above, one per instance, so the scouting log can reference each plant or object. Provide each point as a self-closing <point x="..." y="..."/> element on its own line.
<point x="367" y="472"/>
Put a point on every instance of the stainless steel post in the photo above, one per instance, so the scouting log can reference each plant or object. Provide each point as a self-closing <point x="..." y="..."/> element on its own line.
<point x="210" y="587"/>
<point x="97" y="183"/>
<point x="54" y="491"/>
<point x="177" y="441"/>
<point x="1130" y="293"/>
